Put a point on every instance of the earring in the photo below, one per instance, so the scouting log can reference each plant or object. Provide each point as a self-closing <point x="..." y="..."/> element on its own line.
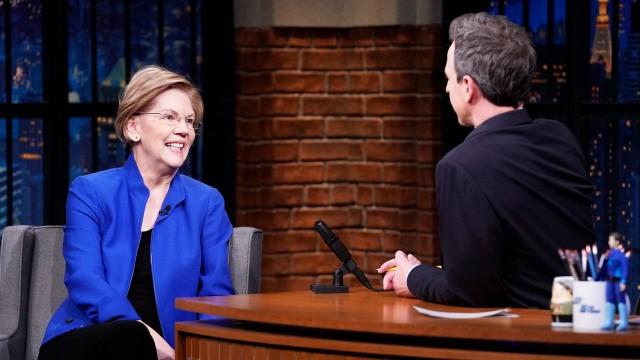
<point x="135" y="138"/>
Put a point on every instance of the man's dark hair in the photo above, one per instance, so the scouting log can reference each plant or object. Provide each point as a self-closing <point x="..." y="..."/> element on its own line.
<point x="496" y="53"/>
<point x="617" y="236"/>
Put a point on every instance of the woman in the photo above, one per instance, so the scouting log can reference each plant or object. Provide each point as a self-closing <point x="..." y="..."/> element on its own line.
<point x="141" y="235"/>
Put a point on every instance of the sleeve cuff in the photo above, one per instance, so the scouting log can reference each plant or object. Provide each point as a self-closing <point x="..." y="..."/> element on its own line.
<point x="409" y="272"/>
<point x="419" y="278"/>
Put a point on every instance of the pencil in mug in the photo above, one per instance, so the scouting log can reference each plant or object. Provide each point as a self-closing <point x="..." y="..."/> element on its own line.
<point x="567" y="264"/>
<point x="575" y="260"/>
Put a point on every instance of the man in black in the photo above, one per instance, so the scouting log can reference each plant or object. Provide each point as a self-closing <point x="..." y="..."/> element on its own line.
<point x="511" y="194"/>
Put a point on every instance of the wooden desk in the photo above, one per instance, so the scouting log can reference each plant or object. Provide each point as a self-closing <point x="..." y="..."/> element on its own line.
<point x="375" y="325"/>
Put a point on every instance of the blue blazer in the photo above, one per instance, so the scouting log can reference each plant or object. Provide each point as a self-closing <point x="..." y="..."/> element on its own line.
<point x="189" y="248"/>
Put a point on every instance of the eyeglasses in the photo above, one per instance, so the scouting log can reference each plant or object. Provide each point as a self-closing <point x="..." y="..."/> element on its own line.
<point x="172" y="119"/>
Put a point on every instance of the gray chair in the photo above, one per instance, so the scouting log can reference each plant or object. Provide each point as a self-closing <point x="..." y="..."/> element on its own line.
<point x="32" y="285"/>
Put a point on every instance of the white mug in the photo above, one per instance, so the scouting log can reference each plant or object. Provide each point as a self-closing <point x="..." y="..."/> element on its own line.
<point x="589" y="299"/>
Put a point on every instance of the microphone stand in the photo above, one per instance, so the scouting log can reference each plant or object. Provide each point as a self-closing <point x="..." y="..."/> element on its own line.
<point x="337" y="286"/>
<point x="348" y="264"/>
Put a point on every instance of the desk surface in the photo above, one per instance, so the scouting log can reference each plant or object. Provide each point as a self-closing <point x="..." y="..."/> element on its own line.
<point x="383" y="313"/>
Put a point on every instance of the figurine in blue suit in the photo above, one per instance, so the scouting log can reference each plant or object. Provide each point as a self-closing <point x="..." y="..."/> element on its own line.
<point x="617" y="269"/>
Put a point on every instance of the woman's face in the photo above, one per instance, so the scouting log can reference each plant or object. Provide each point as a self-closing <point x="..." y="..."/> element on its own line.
<point x="164" y="144"/>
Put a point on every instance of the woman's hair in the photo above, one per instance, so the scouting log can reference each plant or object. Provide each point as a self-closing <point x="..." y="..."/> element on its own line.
<point x="142" y="90"/>
<point x="496" y="53"/>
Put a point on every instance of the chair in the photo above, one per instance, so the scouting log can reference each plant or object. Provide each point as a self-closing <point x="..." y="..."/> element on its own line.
<point x="32" y="281"/>
<point x="245" y="255"/>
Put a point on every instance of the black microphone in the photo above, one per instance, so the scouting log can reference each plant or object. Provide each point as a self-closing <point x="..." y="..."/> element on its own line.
<point x="338" y="248"/>
<point x="165" y="211"/>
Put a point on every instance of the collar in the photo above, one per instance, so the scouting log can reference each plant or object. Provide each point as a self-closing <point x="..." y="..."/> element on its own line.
<point x="507" y="119"/>
<point x="140" y="193"/>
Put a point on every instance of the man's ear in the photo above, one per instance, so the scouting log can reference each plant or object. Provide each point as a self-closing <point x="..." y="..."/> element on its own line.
<point x="470" y="88"/>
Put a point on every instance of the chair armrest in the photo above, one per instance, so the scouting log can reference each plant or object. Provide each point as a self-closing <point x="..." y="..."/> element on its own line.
<point x="16" y="251"/>
<point x="245" y="257"/>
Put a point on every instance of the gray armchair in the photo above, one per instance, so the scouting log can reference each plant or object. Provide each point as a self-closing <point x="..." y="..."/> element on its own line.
<point x="32" y="285"/>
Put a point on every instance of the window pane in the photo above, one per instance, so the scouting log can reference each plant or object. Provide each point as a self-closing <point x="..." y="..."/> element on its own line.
<point x="198" y="75"/>
<point x="144" y="34"/>
<point x="614" y="168"/>
<point x="513" y="10"/>
<point x="629" y="52"/>
<point x="538" y="31"/>
<point x="560" y="21"/>
<point x="110" y="61"/>
<point x="3" y="173"/>
<point x="196" y="150"/>
<point x="558" y="55"/>
<point x="600" y="154"/>
<point x="538" y="20"/>
<point x="80" y="147"/>
<point x="627" y="199"/>
<point x="27" y="171"/>
<point x="26" y="47"/>
<point x="626" y="173"/>
<point x="79" y="38"/>
<point x="601" y="53"/>
<point x="111" y="152"/>
<point x="3" y="58"/>
<point x="493" y="7"/>
<point x="177" y="35"/>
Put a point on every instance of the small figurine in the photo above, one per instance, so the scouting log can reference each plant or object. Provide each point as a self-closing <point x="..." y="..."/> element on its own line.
<point x="616" y="270"/>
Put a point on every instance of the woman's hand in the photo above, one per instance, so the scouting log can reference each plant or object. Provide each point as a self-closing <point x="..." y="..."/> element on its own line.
<point x="163" y="349"/>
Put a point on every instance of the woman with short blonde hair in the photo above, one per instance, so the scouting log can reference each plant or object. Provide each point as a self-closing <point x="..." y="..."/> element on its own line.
<point x="147" y="83"/>
<point x="140" y="235"/>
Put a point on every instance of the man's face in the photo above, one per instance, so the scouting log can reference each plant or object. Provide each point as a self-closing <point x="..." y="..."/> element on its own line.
<point x="455" y="89"/>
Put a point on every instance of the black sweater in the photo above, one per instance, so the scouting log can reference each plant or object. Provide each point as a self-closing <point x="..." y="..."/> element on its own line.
<point x="508" y="197"/>
<point x="141" y="292"/>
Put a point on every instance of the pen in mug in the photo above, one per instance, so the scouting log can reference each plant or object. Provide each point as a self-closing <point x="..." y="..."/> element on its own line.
<point x="584" y="264"/>
<point x="592" y="261"/>
<point x="601" y="262"/>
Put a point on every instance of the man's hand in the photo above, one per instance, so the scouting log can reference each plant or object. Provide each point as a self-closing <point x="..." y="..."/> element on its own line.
<point x="397" y="280"/>
<point x="163" y="349"/>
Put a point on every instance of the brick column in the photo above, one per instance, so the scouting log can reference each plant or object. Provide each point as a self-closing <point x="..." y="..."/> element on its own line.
<point x="340" y="125"/>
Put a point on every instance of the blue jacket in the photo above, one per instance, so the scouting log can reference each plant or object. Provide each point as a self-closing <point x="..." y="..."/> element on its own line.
<point x="189" y="248"/>
<point x="617" y="265"/>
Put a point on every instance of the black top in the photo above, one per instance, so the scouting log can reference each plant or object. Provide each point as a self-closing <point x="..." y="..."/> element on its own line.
<point x="141" y="292"/>
<point x="508" y="197"/>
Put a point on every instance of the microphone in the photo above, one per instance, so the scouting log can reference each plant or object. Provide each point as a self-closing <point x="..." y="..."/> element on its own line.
<point x="338" y="248"/>
<point x="165" y="211"/>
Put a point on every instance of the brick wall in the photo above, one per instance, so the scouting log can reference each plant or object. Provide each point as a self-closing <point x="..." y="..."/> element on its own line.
<point x="340" y="125"/>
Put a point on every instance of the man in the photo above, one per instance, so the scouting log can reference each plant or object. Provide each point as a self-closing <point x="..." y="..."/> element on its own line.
<point x="617" y="272"/>
<point x="511" y="194"/>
